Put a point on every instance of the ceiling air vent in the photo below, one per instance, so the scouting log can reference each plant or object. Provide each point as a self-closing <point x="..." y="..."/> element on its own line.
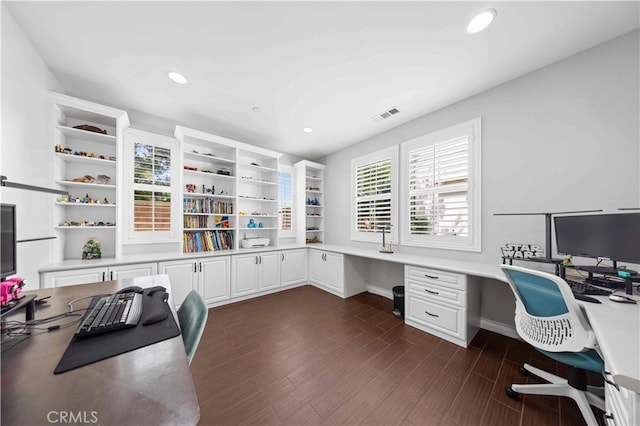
<point x="386" y="114"/>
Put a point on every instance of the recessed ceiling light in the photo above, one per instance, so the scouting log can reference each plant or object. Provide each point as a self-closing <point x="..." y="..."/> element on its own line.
<point x="307" y="129"/>
<point x="481" y="21"/>
<point x="177" y="77"/>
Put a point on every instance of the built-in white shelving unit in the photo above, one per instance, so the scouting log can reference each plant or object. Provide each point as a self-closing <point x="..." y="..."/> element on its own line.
<point x="227" y="187"/>
<point x="86" y="164"/>
<point x="309" y="202"/>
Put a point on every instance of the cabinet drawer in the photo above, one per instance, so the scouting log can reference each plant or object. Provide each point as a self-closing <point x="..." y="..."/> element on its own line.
<point x="447" y="319"/>
<point x="436" y="293"/>
<point x="614" y="405"/>
<point x="434" y="277"/>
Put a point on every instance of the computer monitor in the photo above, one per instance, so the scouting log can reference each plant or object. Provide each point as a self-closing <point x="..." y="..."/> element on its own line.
<point x="615" y="236"/>
<point x="8" y="264"/>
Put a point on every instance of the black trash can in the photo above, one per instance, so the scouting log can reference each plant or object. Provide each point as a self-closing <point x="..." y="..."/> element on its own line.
<point x="398" y="301"/>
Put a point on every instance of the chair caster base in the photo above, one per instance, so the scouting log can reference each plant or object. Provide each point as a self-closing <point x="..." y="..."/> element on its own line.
<point x="511" y="393"/>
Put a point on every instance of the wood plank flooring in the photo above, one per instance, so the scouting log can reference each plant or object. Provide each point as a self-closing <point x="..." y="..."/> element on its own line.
<point x="304" y="356"/>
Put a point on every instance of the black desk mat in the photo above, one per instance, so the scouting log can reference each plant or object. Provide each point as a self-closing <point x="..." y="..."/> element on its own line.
<point x="91" y="349"/>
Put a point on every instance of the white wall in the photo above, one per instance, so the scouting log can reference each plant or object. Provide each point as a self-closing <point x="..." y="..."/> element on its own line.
<point x="565" y="137"/>
<point x="26" y="148"/>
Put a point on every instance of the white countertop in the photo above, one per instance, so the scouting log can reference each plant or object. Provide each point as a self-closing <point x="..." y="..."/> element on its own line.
<point x="66" y="265"/>
<point x="479" y="269"/>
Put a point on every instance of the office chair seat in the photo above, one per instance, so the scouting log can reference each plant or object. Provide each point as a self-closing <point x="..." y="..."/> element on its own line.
<point x="589" y="360"/>
<point x="192" y="316"/>
<point x="548" y="317"/>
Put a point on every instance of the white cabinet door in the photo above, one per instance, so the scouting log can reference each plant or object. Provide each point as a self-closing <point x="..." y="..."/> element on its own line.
<point x="133" y="271"/>
<point x="215" y="279"/>
<point x="182" y="276"/>
<point x="269" y="270"/>
<point x="73" y="277"/>
<point x="317" y="267"/>
<point x="334" y="271"/>
<point x="294" y="267"/>
<point x="243" y="275"/>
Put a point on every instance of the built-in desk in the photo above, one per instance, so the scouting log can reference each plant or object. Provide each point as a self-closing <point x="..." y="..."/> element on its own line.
<point x="150" y="385"/>
<point x="615" y="325"/>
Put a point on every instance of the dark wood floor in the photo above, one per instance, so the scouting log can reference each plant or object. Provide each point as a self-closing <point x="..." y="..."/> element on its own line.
<point x="304" y="356"/>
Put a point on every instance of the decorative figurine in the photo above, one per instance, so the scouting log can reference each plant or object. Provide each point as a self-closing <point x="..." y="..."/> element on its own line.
<point x="91" y="249"/>
<point x="190" y="187"/>
<point x="568" y="260"/>
<point x="59" y="148"/>
<point x="67" y="151"/>
<point x="251" y="224"/>
<point x="103" y="179"/>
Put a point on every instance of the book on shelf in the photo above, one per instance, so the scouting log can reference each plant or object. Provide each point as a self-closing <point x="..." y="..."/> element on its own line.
<point x="203" y="241"/>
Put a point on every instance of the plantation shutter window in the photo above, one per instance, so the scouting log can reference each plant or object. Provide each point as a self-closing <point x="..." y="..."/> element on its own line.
<point x="438" y="189"/>
<point x="442" y="198"/>
<point x="152" y="195"/>
<point x="152" y="188"/>
<point x="373" y="184"/>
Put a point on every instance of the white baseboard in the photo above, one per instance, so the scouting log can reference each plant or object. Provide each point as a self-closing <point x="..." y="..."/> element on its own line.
<point x="380" y="291"/>
<point x="497" y="327"/>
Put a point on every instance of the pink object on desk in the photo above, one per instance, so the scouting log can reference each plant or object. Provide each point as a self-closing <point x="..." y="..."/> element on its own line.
<point x="10" y="289"/>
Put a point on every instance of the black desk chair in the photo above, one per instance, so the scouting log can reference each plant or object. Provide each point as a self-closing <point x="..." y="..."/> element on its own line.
<point x="549" y="318"/>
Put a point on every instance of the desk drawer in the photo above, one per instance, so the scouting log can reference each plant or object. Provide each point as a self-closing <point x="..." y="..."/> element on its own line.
<point x="614" y="406"/>
<point x="446" y="319"/>
<point x="436" y="293"/>
<point x="435" y="277"/>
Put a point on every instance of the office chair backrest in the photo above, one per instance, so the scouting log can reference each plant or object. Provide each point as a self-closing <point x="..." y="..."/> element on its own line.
<point x="547" y="315"/>
<point x="192" y="316"/>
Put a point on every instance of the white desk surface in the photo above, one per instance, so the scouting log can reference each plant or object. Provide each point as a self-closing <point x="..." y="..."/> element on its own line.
<point x="478" y="269"/>
<point x="617" y="329"/>
<point x="615" y="325"/>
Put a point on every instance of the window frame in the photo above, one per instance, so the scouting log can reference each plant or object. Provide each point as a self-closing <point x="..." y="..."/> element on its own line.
<point x="383" y="154"/>
<point x="285" y="168"/>
<point x="130" y="235"/>
<point x="472" y="129"/>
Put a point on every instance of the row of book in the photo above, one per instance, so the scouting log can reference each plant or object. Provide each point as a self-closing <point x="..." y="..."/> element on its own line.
<point x="201" y="241"/>
<point x="196" y="222"/>
<point x="207" y="205"/>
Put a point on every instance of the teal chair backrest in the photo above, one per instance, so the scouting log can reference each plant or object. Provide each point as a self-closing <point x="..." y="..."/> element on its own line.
<point x="192" y="316"/>
<point x="540" y="296"/>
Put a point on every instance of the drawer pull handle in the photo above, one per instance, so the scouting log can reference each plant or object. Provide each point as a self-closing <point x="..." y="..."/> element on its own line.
<point x="432" y="292"/>
<point x="430" y="314"/>
<point x="606" y="380"/>
<point x="434" y="277"/>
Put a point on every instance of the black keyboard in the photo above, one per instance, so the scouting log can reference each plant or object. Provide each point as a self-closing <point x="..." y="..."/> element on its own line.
<point x="578" y="287"/>
<point x="111" y="313"/>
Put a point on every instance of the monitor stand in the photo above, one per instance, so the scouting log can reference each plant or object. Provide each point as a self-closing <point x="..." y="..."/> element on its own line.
<point x="27" y="302"/>
<point x="606" y="270"/>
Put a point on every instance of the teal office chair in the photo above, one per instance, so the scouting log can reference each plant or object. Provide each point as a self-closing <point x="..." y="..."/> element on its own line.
<point x="549" y="318"/>
<point x="192" y="316"/>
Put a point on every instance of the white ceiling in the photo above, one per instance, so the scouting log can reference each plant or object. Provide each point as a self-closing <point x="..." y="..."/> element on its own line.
<point x="331" y="66"/>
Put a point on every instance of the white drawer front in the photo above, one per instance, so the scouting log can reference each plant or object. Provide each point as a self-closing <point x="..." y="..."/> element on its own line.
<point x="434" y="277"/>
<point x="446" y="319"/>
<point x="614" y="405"/>
<point x="437" y="293"/>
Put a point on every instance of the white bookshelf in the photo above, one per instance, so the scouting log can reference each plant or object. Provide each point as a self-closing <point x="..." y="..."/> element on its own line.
<point x="309" y="202"/>
<point x="241" y="178"/>
<point x="90" y="156"/>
